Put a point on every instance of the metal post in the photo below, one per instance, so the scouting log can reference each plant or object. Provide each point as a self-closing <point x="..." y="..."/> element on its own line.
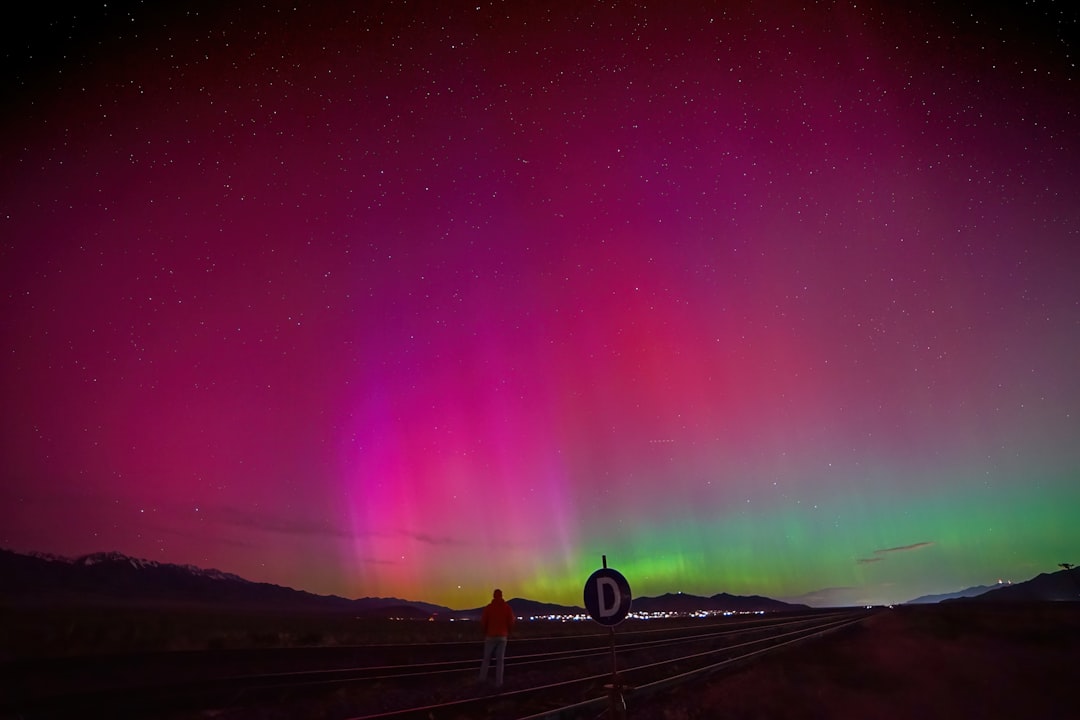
<point x="615" y="700"/>
<point x="614" y="666"/>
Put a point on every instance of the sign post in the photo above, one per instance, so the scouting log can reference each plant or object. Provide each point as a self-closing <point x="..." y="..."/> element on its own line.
<point x="607" y="598"/>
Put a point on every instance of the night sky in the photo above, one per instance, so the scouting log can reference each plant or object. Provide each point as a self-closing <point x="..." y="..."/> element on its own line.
<point x="424" y="298"/>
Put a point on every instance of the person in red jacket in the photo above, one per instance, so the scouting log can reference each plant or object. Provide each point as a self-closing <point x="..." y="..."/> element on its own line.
<point x="496" y="620"/>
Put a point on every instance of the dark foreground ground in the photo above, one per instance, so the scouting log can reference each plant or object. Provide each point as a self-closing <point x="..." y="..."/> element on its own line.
<point x="922" y="662"/>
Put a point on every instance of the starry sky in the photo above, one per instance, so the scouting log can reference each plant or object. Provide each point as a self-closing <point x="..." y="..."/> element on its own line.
<point x="417" y="299"/>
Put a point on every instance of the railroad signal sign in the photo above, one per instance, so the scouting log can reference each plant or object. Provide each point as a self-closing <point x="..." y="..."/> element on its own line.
<point x="607" y="596"/>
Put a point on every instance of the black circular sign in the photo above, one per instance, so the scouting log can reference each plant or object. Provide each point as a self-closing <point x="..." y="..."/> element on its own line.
<point x="607" y="596"/>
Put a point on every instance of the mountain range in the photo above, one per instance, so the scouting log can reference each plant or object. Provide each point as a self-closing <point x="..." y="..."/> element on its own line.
<point x="108" y="578"/>
<point x="114" y="578"/>
<point x="1060" y="586"/>
<point x="965" y="593"/>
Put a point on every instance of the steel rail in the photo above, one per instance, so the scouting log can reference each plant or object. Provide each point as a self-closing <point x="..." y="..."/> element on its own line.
<point x="650" y="689"/>
<point x="436" y="710"/>
<point x="387" y="672"/>
<point x="241" y="689"/>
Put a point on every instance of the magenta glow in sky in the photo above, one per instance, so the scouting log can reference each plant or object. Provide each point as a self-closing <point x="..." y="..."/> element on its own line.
<point x="418" y="300"/>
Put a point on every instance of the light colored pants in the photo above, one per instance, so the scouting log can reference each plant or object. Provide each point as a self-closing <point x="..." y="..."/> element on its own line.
<point x="493" y="646"/>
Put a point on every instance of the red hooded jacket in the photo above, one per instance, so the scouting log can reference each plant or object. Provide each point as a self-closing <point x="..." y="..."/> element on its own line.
<point x="497" y="618"/>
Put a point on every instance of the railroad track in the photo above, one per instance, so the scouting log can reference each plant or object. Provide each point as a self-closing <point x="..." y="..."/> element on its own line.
<point x="546" y="677"/>
<point x="584" y="697"/>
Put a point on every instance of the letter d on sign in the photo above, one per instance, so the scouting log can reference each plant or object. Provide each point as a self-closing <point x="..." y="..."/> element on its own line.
<point x="607" y="609"/>
<point x="607" y="596"/>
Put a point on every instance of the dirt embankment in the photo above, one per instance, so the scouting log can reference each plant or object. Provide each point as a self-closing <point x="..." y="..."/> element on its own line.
<point x="923" y="662"/>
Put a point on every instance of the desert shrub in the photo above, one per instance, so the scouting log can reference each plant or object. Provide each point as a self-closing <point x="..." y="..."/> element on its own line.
<point x="263" y="638"/>
<point x="310" y="638"/>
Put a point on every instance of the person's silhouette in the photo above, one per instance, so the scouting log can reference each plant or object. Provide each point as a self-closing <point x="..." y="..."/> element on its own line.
<point x="496" y="620"/>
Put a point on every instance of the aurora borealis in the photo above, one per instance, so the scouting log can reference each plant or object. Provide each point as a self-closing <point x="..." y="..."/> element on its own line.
<point x="420" y="299"/>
